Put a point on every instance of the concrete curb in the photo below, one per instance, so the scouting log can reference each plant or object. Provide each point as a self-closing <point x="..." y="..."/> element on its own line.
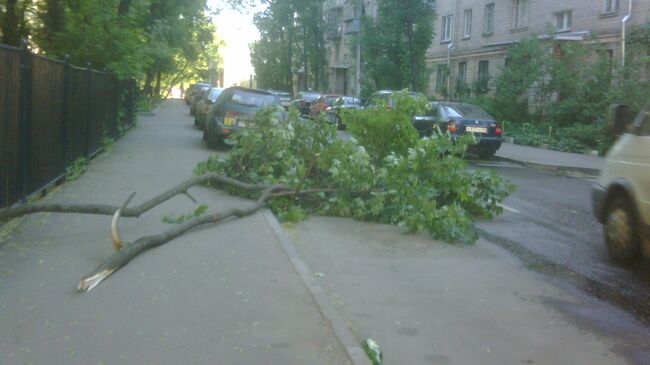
<point x="561" y="170"/>
<point x="341" y="331"/>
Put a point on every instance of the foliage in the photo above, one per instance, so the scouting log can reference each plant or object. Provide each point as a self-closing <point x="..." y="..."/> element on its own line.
<point x="566" y="86"/>
<point x="384" y="131"/>
<point x="425" y="186"/>
<point x="580" y="138"/>
<point x="107" y="142"/>
<point x="159" y="42"/>
<point x="200" y="210"/>
<point x="292" y="34"/>
<point x="395" y="44"/>
<point x="76" y="169"/>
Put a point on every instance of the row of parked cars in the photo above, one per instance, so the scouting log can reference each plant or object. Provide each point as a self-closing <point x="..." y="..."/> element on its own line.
<point x="219" y="112"/>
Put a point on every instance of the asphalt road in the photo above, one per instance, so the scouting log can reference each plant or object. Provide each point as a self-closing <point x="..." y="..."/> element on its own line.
<point x="548" y="222"/>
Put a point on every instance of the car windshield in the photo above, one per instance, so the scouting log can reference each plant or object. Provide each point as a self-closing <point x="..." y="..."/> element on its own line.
<point x="330" y="99"/>
<point x="450" y="112"/>
<point x="310" y="96"/>
<point x="351" y="101"/>
<point x="252" y="98"/>
<point x="214" y="93"/>
<point x="469" y="110"/>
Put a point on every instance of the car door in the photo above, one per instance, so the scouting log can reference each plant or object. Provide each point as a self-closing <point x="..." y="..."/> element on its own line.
<point x="640" y="158"/>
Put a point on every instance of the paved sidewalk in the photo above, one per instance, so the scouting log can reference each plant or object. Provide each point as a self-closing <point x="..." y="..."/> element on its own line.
<point x="428" y="302"/>
<point x="226" y="294"/>
<point x="562" y="162"/>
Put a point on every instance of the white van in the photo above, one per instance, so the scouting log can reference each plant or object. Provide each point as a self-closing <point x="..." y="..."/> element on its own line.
<point x="621" y="198"/>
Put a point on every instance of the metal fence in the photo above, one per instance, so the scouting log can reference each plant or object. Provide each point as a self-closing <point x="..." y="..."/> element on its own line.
<point x="52" y="113"/>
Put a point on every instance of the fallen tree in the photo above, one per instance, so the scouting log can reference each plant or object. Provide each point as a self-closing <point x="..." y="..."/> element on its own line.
<point x="297" y="167"/>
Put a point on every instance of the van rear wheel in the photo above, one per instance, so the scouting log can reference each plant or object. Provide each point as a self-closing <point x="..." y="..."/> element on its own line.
<point x="620" y="230"/>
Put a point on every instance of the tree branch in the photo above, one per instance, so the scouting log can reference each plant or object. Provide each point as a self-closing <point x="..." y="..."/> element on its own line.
<point x="123" y="256"/>
<point x="101" y="209"/>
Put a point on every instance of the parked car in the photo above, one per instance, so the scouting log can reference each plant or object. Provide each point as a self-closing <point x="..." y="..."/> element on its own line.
<point x="386" y="99"/>
<point x="196" y="96"/>
<point x="285" y="98"/>
<point x="463" y="118"/>
<point x="203" y="106"/>
<point x="192" y="89"/>
<point x="235" y="109"/>
<point x="344" y="102"/>
<point x="303" y="101"/>
<point x="321" y="104"/>
<point x="621" y="196"/>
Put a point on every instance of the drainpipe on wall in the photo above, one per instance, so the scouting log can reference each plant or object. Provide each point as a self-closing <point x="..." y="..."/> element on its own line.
<point x="623" y="26"/>
<point x="449" y="70"/>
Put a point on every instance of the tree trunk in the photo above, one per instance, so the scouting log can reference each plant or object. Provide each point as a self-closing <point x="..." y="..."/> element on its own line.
<point x="123" y="7"/>
<point x="10" y="21"/>
<point x="158" y="76"/>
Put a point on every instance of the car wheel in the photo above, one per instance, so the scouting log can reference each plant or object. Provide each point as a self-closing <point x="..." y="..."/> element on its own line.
<point x="620" y="230"/>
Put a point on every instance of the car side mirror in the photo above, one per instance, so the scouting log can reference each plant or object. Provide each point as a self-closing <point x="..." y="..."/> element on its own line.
<point x="619" y="118"/>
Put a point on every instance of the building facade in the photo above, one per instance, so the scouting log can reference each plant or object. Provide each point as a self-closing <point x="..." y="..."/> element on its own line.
<point x="343" y="19"/>
<point x="473" y="35"/>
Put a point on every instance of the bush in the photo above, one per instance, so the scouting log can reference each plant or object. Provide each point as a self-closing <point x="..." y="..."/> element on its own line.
<point x="385" y="131"/>
<point x="424" y="186"/>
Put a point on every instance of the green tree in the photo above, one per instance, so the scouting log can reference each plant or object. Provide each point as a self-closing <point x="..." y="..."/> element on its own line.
<point x="291" y="38"/>
<point x="395" y="44"/>
<point x="13" y="21"/>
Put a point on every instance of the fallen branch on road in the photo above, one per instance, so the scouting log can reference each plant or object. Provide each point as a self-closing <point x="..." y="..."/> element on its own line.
<point x="123" y="256"/>
<point x="124" y="252"/>
<point x="135" y="212"/>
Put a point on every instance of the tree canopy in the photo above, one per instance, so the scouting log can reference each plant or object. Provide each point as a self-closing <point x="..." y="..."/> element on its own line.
<point x="291" y="40"/>
<point x="394" y="44"/>
<point x="159" y="42"/>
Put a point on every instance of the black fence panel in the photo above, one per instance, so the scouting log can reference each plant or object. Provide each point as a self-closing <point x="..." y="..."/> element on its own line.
<point x="78" y="109"/>
<point x="52" y="113"/>
<point x="10" y="91"/>
<point x="46" y="129"/>
<point x="96" y="114"/>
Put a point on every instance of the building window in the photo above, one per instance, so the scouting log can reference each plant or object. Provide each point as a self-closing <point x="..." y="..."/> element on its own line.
<point x="467" y="23"/>
<point x="462" y="71"/>
<point x="563" y="21"/>
<point x="441" y="79"/>
<point x="488" y="20"/>
<point x="446" y="28"/>
<point x="483" y="77"/>
<point x="610" y="6"/>
<point x="520" y="13"/>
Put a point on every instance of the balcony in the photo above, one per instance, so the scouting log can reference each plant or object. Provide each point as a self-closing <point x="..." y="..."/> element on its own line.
<point x="352" y="26"/>
<point x="333" y="33"/>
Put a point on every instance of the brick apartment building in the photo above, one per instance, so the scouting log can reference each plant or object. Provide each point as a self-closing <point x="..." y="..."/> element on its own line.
<point x="473" y="35"/>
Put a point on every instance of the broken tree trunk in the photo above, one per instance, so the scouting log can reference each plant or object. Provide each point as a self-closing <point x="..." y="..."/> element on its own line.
<point x="125" y="252"/>
<point x="130" y="250"/>
<point x="101" y="209"/>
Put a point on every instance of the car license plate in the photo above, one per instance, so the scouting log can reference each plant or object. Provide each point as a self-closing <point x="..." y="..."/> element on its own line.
<point x="228" y="121"/>
<point x="475" y="129"/>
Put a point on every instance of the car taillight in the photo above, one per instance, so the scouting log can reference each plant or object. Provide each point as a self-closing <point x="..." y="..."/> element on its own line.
<point x="452" y="127"/>
<point x="498" y="130"/>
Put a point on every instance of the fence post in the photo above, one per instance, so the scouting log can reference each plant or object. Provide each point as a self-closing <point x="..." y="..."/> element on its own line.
<point x="88" y="112"/>
<point x="66" y="109"/>
<point x="25" y="118"/>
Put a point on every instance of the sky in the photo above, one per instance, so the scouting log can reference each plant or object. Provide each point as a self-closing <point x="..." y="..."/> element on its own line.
<point x="237" y="31"/>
